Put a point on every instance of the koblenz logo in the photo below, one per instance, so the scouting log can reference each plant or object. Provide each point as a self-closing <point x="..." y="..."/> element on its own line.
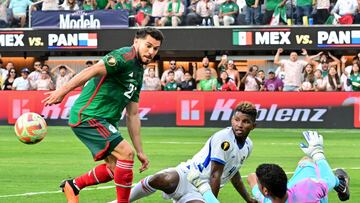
<point x="290" y="114"/>
<point x="67" y="21"/>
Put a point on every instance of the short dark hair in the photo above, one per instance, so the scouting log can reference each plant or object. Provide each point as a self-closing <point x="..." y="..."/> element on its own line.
<point x="62" y="67"/>
<point x="171" y="72"/>
<point x="153" y="32"/>
<point x="89" y="62"/>
<point x="247" y="108"/>
<point x="272" y="177"/>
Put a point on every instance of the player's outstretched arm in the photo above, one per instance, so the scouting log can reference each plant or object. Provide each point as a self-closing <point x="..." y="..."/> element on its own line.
<point x="57" y="96"/>
<point x="133" y="125"/>
<point x="240" y="187"/>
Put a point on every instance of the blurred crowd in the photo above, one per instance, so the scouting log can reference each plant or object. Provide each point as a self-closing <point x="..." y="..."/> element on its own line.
<point x="14" y="13"/>
<point x="319" y="72"/>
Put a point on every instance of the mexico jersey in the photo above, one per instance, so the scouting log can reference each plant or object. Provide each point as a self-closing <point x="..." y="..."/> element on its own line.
<point x="222" y="148"/>
<point x="107" y="96"/>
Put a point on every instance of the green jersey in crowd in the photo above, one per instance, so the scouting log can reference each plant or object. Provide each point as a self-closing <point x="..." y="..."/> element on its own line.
<point x="229" y="7"/>
<point x="207" y="85"/>
<point x="355" y="78"/>
<point x="171" y="86"/>
<point x="107" y="96"/>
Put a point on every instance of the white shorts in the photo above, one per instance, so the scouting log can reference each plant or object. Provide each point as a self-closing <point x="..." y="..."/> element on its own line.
<point x="185" y="191"/>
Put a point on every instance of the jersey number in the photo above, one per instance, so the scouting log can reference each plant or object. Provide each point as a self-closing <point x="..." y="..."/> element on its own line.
<point x="130" y="92"/>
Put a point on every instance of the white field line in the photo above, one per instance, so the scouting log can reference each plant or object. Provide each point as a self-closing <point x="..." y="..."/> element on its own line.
<point x="108" y="187"/>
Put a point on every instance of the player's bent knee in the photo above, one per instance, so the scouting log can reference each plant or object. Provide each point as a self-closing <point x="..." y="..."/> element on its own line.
<point x="165" y="181"/>
<point x="110" y="162"/>
<point x="123" y="151"/>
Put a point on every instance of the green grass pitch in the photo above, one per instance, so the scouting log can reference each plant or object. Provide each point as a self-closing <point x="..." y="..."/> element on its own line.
<point x="40" y="168"/>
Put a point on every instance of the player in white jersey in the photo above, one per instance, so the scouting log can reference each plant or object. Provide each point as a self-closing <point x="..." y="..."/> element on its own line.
<point x="219" y="161"/>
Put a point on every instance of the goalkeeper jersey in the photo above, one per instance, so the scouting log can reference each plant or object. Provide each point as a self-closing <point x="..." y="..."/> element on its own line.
<point x="107" y="96"/>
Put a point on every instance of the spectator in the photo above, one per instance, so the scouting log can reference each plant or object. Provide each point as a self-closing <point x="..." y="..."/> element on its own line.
<point x="323" y="63"/>
<point x="88" y="64"/>
<point x="46" y="68"/>
<point x="8" y="83"/>
<point x="252" y="12"/>
<point x="261" y="77"/>
<point x="3" y="14"/>
<point x="273" y="83"/>
<point x="280" y="72"/>
<point x="19" y="8"/>
<point x="270" y="6"/>
<point x="308" y="78"/>
<point x="44" y="82"/>
<point x="208" y="83"/>
<point x="178" y="73"/>
<point x="205" y="10"/>
<point x="303" y="8"/>
<point x="200" y="73"/>
<point x="233" y="73"/>
<point x="5" y="72"/>
<point x="173" y="14"/>
<point x="346" y="71"/>
<point x="322" y="13"/>
<point x="225" y="83"/>
<point x="143" y="14"/>
<point x="151" y="82"/>
<point x="35" y="75"/>
<point x="188" y="84"/>
<point x="62" y="76"/>
<point x="89" y="5"/>
<point x="101" y="4"/>
<point x="22" y="82"/>
<point x="158" y="11"/>
<point x="346" y="9"/>
<point x="50" y="5"/>
<point x="227" y="13"/>
<point x="192" y="18"/>
<point x="332" y="81"/>
<point x="250" y="80"/>
<point x="223" y="63"/>
<point x="318" y="80"/>
<point x="293" y="68"/>
<point x="171" y="84"/>
<point x="353" y="77"/>
<point x="70" y="5"/>
<point x="121" y="4"/>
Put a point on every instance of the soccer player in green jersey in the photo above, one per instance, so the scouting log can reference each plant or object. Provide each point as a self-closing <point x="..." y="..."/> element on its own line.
<point x="111" y="85"/>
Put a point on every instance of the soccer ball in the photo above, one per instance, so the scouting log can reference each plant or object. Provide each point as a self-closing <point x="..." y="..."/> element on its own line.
<point x="30" y="128"/>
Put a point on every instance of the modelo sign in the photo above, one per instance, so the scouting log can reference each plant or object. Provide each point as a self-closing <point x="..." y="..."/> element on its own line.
<point x="95" y="19"/>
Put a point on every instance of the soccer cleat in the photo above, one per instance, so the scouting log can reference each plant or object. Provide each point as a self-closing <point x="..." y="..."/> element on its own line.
<point x="70" y="190"/>
<point x="343" y="188"/>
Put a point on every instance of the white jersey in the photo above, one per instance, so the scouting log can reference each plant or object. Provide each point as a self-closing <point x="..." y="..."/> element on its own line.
<point x="222" y="148"/>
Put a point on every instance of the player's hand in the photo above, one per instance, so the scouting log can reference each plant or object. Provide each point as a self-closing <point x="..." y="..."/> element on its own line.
<point x="144" y="162"/>
<point x="314" y="146"/>
<point x="53" y="97"/>
<point x="280" y="50"/>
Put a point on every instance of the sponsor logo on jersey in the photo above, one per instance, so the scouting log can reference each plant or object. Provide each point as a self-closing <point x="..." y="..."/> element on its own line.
<point x="112" y="129"/>
<point x="111" y="61"/>
<point x="225" y="145"/>
<point x="131" y="74"/>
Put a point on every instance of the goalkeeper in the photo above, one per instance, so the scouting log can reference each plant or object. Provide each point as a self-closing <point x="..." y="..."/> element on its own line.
<point x="311" y="182"/>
